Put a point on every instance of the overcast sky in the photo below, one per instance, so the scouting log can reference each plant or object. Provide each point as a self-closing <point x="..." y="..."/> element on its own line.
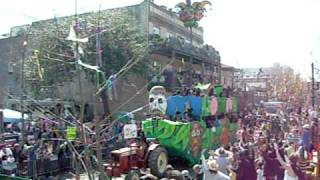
<point x="248" y="33"/>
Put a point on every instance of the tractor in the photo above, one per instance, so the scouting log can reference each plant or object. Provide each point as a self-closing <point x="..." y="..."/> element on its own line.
<point x="136" y="156"/>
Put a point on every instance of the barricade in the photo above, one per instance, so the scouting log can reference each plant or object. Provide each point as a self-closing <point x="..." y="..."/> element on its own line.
<point x="44" y="166"/>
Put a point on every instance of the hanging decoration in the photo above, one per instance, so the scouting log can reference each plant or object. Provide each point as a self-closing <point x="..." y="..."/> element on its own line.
<point x="88" y="66"/>
<point x="98" y="45"/>
<point x="39" y="69"/>
<point x="113" y="79"/>
<point x="191" y="14"/>
<point x="73" y="37"/>
<point x="109" y="85"/>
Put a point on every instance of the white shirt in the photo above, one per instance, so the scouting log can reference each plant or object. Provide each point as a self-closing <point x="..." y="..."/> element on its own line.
<point x="288" y="177"/>
<point x="5" y="151"/>
<point x="260" y="174"/>
<point x="223" y="163"/>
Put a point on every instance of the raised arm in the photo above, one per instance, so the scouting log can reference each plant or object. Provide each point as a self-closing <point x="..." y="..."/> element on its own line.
<point x="281" y="161"/>
<point x="203" y="160"/>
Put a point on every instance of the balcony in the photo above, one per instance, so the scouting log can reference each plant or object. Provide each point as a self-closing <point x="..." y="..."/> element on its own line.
<point x="205" y="53"/>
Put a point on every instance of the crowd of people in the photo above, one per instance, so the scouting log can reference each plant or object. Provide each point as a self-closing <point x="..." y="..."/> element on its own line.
<point x="46" y="150"/>
<point x="40" y="153"/>
<point x="281" y="146"/>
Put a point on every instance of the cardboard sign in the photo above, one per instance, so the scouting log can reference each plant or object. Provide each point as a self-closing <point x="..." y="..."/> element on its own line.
<point x="130" y="131"/>
<point x="71" y="133"/>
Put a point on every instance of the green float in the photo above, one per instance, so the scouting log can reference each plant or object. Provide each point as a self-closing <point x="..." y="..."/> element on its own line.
<point x="186" y="140"/>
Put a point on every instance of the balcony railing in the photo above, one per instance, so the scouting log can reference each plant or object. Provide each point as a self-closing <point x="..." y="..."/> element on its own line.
<point x="205" y="52"/>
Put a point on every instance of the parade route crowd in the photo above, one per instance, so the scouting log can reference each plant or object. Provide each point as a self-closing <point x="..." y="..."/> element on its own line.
<point x="280" y="146"/>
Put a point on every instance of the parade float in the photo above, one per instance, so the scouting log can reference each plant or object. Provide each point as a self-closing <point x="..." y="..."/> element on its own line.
<point x="186" y="139"/>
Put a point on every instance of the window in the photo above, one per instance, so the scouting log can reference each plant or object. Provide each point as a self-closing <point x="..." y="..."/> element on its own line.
<point x="156" y="30"/>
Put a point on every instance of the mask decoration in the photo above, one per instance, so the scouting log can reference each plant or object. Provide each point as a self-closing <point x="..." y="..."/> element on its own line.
<point x="157" y="100"/>
<point x="196" y="134"/>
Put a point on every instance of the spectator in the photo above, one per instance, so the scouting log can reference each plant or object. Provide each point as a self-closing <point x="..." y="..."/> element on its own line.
<point x="198" y="172"/>
<point x="223" y="161"/>
<point x="246" y="170"/>
<point x="292" y="171"/>
<point x="260" y="171"/>
<point x="211" y="170"/>
<point x="186" y="175"/>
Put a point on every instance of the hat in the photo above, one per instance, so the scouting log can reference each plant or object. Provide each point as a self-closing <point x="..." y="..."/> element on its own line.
<point x="148" y="176"/>
<point x="185" y="173"/>
<point x="169" y="167"/>
<point x="197" y="166"/>
<point x="146" y="172"/>
<point x="213" y="165"/>
<point x="306" y="126"/>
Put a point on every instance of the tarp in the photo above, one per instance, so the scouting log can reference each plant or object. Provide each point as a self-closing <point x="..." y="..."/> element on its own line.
<point x="218" y="89"/>
<point x="10" y="116"/>
<point x="222" y="104"/>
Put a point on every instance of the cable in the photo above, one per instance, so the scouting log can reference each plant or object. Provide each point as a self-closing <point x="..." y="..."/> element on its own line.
<point x="130" y="99"/>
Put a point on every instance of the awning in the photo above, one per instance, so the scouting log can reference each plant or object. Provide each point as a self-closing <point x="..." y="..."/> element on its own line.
<point x="10" y="116"/>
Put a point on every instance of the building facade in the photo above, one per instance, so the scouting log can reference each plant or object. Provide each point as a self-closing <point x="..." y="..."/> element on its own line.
<point x="228" y="76"/>
<point x="265" y="83"/>
<point x="171" y="51"/>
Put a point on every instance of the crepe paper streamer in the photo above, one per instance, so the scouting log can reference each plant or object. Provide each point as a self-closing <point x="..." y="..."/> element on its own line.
<point x="113" y="79"/>
<point x="40" y="70"/>
<point x="98" y="45"/>
<point x="110" y="82"/>
<point x="95" y="68"/>
<point x="132" y="112"/>
<point x="97" y="78"/>
<point x="73" y="37"/>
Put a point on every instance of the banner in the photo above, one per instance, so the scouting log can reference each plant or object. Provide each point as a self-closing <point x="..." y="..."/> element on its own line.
<point x="130" y="131"/>
<point x="71" y="133"/>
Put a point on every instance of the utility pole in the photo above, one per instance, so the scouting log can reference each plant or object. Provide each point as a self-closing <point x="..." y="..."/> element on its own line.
<point x="97" y="118"/>
<point x="22" y="97"/>
<point x="312" y="86"/>
<point x="1" y="124"/>
<point x="79" y="124"/>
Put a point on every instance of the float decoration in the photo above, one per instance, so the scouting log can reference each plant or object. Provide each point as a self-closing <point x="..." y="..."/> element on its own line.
<point x="191" y="14"/>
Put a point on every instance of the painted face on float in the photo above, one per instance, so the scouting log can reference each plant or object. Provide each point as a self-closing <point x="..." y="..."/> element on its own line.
<point x="157" y="100"/>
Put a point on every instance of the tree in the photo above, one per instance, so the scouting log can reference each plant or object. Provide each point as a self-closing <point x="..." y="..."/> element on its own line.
<point x="123" y="43"/>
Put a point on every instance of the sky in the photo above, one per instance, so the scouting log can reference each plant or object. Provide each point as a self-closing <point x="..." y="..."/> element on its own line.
<point x="247" y="33"/>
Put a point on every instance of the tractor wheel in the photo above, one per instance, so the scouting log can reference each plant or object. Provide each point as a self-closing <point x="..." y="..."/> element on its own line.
<point x="132" y="175"/>
<point x="157" y="162"/>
